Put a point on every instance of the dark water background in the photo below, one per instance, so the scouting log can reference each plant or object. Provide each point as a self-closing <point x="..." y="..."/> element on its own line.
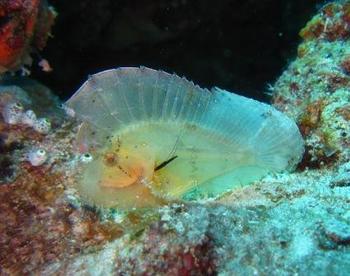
<point x="237" y="45"/>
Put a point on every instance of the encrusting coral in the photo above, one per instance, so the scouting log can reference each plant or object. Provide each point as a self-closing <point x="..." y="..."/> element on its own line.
<point x="314" y="90"/>
<point x="25" y="28"/>
<point x="39" y="225"/>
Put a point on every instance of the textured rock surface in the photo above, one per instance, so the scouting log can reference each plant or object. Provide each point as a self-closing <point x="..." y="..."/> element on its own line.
<point x="314" y="90"/>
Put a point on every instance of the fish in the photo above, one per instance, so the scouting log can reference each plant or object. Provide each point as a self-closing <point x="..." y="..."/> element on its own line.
<point x="157" y="137"/>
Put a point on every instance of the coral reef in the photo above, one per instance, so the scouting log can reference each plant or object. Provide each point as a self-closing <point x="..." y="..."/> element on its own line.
<point x="38" y="224"/>
<point x="314" y="90"/>
<point x="286" y="223"/>
<point x="175" y="246"/>
<point x="25" y="27"/>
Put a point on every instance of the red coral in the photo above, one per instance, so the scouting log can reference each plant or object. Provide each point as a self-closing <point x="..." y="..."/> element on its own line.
<point x="294" y="87"/>
<point x="280" y="102"/>
<point x="335" y="81"/>
<point x="331" y="24"/>
<point x="27" y="25"/>
<point x="320" y="158"/>
<point x="196" y="260"/>
<point x="330" y="9"/>
<point x="346" y="13"/>
<point x="313" y="29"/>
<point x="37" y="225"/>
<point x="338" y="30"/>
<point x="311" y="117"/>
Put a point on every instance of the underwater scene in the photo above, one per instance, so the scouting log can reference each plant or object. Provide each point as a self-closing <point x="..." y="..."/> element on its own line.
<point x="174" y="137"/>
